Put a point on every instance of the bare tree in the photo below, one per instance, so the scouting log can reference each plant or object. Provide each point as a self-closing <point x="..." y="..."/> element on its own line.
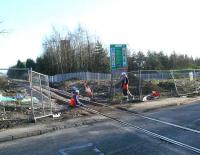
<point x="71" y="53"/>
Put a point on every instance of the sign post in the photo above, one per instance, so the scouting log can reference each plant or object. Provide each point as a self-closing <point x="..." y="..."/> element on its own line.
<point x="118" y="61"/>
<point x="118" y="55"/>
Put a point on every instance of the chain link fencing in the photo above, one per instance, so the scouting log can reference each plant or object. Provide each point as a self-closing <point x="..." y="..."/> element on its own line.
<point x="157" y="80"/>
<point x="80" y="76"/>
<point x="186" y="82"/>
<point x="24" y="95"/>
<point x="167" y="82"/>
<point x="41" y="95"/>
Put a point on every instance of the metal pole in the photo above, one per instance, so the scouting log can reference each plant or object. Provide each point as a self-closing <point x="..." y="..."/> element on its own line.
<point x="196" y="84"/>
<point x="29" y="76"/>
<point x="111" y="86"/>
<point x="140" y="92"/>
<point x="31" y="83"/>
<point x="172" y="74"/>
<point x="41" y="94"/>
<point x="49" y="95"/>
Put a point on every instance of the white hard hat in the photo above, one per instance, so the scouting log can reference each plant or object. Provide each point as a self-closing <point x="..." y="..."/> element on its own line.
<point x="77" y="91"/>
<point x="123" y="73"/>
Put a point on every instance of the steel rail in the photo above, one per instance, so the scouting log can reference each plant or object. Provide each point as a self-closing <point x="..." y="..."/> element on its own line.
<point x="139" y="115"/>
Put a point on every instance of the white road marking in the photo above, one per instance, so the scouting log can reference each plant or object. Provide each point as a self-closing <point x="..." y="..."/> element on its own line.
<point x="65" y="150"/>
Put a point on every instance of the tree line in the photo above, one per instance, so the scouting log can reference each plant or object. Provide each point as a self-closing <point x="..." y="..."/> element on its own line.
<point x="79" y="51"/>
<point x="159" y="61"/>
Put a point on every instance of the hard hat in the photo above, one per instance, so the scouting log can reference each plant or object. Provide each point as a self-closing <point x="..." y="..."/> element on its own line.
<point x="74" y="88"/>
<point x="123" y="73"/>
<point x="77" y="91"/>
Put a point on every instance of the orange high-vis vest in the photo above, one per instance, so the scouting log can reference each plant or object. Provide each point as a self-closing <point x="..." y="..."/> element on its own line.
<point x="125" y="86"/>
<point x="72" y="102"/>
<point x="155" y="94"/>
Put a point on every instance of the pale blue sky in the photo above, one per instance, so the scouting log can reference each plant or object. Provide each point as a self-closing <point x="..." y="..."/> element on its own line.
<point x="143" y="24"/>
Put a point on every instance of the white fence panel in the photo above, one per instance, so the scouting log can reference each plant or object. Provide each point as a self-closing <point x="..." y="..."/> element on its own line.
<point x="79" y="75"/>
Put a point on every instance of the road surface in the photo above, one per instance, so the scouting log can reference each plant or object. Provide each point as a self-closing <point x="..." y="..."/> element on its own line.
<point x="111" y="138"/>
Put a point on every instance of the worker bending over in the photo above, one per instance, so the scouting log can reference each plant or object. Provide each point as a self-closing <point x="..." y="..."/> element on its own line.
<point x="88" y="90"/>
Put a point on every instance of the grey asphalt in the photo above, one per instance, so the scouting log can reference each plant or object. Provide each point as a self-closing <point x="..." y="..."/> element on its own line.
<point x="109" y="137"/>
<point x="186" y="115"/>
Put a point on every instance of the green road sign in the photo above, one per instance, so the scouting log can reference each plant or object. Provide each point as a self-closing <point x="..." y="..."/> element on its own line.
<point x="118" y="57"/>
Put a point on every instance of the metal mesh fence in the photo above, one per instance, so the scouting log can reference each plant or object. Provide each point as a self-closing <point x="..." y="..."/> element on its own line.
<point x="79" y="75"/>
<point x="157" y="80"/>
<point x="186" y="81"/>
<point x="166" y="82"/>
<point x="41" y="96"/>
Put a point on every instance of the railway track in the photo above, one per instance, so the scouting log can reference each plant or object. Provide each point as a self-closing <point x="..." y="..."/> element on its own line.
<point x="129" y="111"/>
<point x="117" y="116"/>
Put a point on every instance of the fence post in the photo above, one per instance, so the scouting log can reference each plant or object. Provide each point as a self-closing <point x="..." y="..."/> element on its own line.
<point x="172" y="74"/>
<point x="195" y="78"/>
<point x="41" y="94"/>
<point x="140" y="78"/>
<point x="49" y="95"/>
<point x="31" y="84"/>
<point x="111" y="87"/>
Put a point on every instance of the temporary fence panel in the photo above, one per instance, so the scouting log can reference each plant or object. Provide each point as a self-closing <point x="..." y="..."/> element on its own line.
<point x="156" y="80"/>
<point x="41" y="96"/>
<point x="79" y="75"/>
<point x="186" y="81"/>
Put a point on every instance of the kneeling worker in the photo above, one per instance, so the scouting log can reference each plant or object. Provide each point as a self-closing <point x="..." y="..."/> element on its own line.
<point x="75" y="99"/>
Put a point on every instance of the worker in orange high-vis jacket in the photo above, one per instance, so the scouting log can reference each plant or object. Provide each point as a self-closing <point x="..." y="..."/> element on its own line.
<point x="75" y="99"/>
<point x="124" y="86"/>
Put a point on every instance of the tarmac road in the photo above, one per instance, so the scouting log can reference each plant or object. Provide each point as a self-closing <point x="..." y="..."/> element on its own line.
<point x="110" y="138"/>
<point x="186" y="115"/>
